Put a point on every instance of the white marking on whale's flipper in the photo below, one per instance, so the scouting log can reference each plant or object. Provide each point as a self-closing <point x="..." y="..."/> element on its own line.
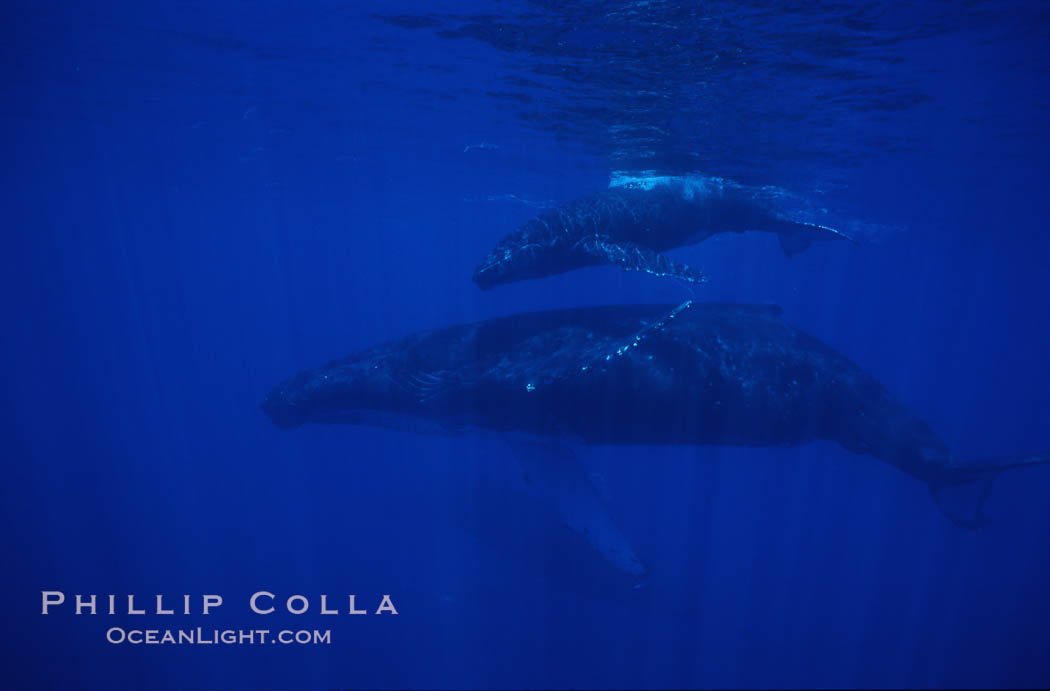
<point x="623" y="347"/>
<point x="630" y="256"/>
<point x="558" y="477"/>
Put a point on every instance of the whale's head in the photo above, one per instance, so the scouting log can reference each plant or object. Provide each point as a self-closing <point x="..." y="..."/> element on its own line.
<point x="502" y="265"/>
<point x="364" y="389"/>
<point x="336" y="392"/>
<point x="286" y="405"/>
<point x="530" y="252"/>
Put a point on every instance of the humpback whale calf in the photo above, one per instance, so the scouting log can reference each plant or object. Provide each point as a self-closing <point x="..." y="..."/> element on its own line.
<point x="629" y="227"/>
<point x="643" y="374"/>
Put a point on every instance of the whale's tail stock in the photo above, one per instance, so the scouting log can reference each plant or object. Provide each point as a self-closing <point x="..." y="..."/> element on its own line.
<point x="961" y="495"/>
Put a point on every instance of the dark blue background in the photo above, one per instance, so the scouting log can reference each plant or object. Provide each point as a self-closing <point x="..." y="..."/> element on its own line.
<point x="201" y="199"/>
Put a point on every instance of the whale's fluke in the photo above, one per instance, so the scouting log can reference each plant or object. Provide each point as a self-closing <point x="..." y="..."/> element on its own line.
<point x="961" y="497"/>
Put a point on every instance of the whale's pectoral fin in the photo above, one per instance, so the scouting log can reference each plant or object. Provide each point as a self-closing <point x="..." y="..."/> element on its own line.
<point x="559" y="478"/>
<point x="631" y="256"/>
<point x="618" y="349"/>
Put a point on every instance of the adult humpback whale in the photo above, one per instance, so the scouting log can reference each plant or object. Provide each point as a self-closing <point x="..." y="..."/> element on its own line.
<point x="642" y="374"/>
<point x="629" y="226"/>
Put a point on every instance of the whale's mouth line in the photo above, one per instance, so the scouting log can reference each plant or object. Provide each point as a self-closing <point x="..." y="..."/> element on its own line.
<point x="509" y="255"/>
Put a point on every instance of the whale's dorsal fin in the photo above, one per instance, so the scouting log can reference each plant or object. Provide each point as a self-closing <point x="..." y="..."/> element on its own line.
<point x="631" y="256"/>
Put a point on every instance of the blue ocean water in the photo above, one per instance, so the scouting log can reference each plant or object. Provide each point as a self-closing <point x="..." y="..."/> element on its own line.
<point x="201" y="199"/>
